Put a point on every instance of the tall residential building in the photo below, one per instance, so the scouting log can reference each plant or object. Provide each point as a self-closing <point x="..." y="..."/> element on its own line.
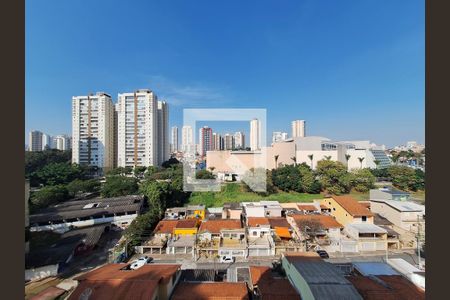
<point x="187" y="139"/>
<point x="239" y="140"/>
<point x="205" y="140"/>
<point x="137" y="124"/>
<point x="228" y="141"/>
<point x="255" y="135"/>
<point x="35" y="140"/>
<point x="163" y="132"/>
<point x="116" y="133"/>
<point x="62" y="142"/>
<point x="217" y="141"/>
<point x="93" y="130"/>
<point x="278" y="136"/>
<point x="47" y="142"/>
<point x="298" y="128"/>
<point x="174" y="139"/>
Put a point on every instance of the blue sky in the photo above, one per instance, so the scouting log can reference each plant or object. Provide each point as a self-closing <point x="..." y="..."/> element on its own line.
<point x="351" y="69"/>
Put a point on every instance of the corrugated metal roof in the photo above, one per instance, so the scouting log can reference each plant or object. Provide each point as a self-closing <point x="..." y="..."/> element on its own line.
<point x="374" y="268"/>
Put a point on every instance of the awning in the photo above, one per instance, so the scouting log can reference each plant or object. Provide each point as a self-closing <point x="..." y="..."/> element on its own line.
<point x="283" y="232"/>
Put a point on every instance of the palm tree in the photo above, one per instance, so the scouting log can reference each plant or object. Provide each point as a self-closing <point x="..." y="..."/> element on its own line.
<point x="347" y="157"/>
<point x="311" y="156"/>
<point x="212" y="168"/>
<point x="295" y="160"/>
<point x="361" y="160"/>
<point x="328" y="157"/>
<point x="276" y="161"/>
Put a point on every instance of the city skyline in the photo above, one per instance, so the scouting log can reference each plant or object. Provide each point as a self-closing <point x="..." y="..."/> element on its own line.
<point x="353" y="70"/>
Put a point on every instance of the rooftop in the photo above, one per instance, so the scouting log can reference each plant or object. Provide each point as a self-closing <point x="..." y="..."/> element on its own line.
<point x="257" y="221"/>
<point x="182" y="241"/>
<point x="165" y="226"/>
<point x="381" y="221"/>
<point x="271" y="286"/>
<point x="188" y="223"/>
<point x="403" y="206"/>
<point x="210" y="290"/>
<point x="326" y="222"/>
<point x="366" y="228"/>
<point x="215" y="226"/>
<point x="352" y="206"/>
<point x="307" y="207"/>
<point x="278" y="222"/>
<point x="374" y="268"/>
<point x="87" y="208"/>
<point x="393" y="191"/>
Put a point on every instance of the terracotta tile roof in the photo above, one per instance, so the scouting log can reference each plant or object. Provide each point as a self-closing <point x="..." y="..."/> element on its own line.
<point x="283" y="232"/>
<point x="278" y="222"/>
<point x="187" y="223"/>
<point x="352" y="206"/>
<point x="51" y="292"/>
<point x="215" y="226"/>
<point x="110" y="282"/>
<point x="307" y="207"/>
<point x="366" y="204"/>
<point x="165" y="226"/>
<point x="324" y="206"/>
<point x="271" y="287"/>
<point x="327" y="222"/>
<point x="397" y="288"/>
<point x="257" y="221"/>
<point x="296" y="256"/>
<point x="210" y="290"/>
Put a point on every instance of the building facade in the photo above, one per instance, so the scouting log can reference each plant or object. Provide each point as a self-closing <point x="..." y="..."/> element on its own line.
<point x="229" y="143"/>
<point x="205" y="139"/>
<point x="93" y="130"/>
<point x="35" y="140"/>
<point x="174" y="139"/>
<point x="137" y="122"/>
<point x="278" y="136"/>
<point x="239" y="140"/>
<point x="163" y="132"/>
<point x="62" y="142"/>
<point x="187" y="139"/>
<point x="218" y="143"/>
<point x="255" y="135"/>
<point x="298" y="128"/>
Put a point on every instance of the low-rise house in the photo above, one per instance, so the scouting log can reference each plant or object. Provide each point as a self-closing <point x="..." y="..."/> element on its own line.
<point x="161" y="234"/>
<point x="183" y="244"/>
<point x="115" y="281"/>
<point x="188" y="212"/>
<point x="232" y="210"/>
<point x="268" y="284"/>
<point x="209" y="233"/>
<point x="393" y="237"/>
<point x="284" y="239"/>
<point x="120" y="211"/>
<point x="214" y="213"/>
<point x="233" y="243"/>
<point x="369" y="237"/>
<point x="262" y="209"/>
<point x="308" y="208"/>
<point x="196" y="211"/>
<point x="315" y="279"/>
<point x="347" y="210"/>
<point x="260" y="241"/>
<point x="175" y="213"/>
<point x="187" y="227"/>
<point x="210" y="290"/>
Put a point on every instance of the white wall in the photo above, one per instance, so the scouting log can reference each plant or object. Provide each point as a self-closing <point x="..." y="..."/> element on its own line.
<point x="302" y="156"/>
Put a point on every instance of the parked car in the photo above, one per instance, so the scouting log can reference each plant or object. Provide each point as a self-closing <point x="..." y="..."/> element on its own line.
<point x="136" y="264"/>
<point x="226" y="259"/>
<point x="323" y="253"/>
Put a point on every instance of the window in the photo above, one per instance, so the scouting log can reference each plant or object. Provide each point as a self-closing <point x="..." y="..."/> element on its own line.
<point x="364" y="218"/>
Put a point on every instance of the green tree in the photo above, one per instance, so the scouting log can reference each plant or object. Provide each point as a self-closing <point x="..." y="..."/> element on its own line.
<point x="276" y="160"/>
<point x="36" y="160"/>
<point x="204" y="174"/>
<point x="116" y="186"/>
<point x="363" y="180"/>
<point x="49" y="195"/>
<point x="140" y="228"/>
<point x="139" y="171"/>
<point x="168" y="163"/>
<point x="294" y="159"/>
<point x="403" y="177"/>
<point x="361" y="159"/>
<point x="311" y="156"/>
<point x="83" y="186"/>
<point x="158" y="195"/>
<point x="334" y="177"/>
<point x="56" y="173"/>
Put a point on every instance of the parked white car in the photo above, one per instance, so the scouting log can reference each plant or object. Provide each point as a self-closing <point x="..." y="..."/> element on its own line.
<point x="136" y="264"/>
<point x="226" y="259"/>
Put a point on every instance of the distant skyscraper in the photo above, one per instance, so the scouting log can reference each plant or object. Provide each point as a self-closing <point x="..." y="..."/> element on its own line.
<point x="163" y="132"/>
<point x="298" y="128"/>
<point x="174" y="139"/>
<point x="239" y="140"/>
<point x="278" y="136"/>
<point x="93" y="130"/>
<point x="47" y="142"/>
<point x="61" y="142"/>
<point x="217" y="141"/>
<point x="255" y="134"/>
<point x="228" y="141"/>
<point x="205" y="140"/>
<point x="187" y="139"/>
<point x="138" y="130"/>
<point x="35" y="141"/>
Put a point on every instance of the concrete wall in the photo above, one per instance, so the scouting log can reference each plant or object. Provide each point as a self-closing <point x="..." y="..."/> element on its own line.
<point x="404" y="220"/>
<point x="41" y="272"/>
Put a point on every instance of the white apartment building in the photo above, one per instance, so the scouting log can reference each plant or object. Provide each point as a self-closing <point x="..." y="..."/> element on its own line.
<point x="47" y="142"/>
<point x="278" y="136"/>
<point x="187" y="139"/>
<point x="137" y="123"/>
<point x="174" y="139"/>
<point x="35" y="140"/>
<point x="228" y="141"/>
<point x="239" y="140"/>
<point x="298" y="128"/>
<point x="62" y="142"/>
<point x="163" y="132"/>
<point x="93" y="130"/>
<point x="255" y="135"/>
<point x="218" y="143"/>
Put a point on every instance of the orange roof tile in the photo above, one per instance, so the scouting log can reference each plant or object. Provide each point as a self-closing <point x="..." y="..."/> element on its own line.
<point x="215" y="226"/>
<point x="327" y="222"/>
<point x="296" y="256"/>
<point x="165" y="226"/>
<point x="187" y="223"/>
<point x="278" y="222"/>
<point x="366" y="204"/>
<point x="307" y="207"/>
<point x="352" y="206"/>
<point x="110" y="282"/>
<point x="271" y="287"/>
<point x="283" y="232"/>
<point x="210" y="290"/>
<point x="397" y="288"/>
<point x="257" y="221"/>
